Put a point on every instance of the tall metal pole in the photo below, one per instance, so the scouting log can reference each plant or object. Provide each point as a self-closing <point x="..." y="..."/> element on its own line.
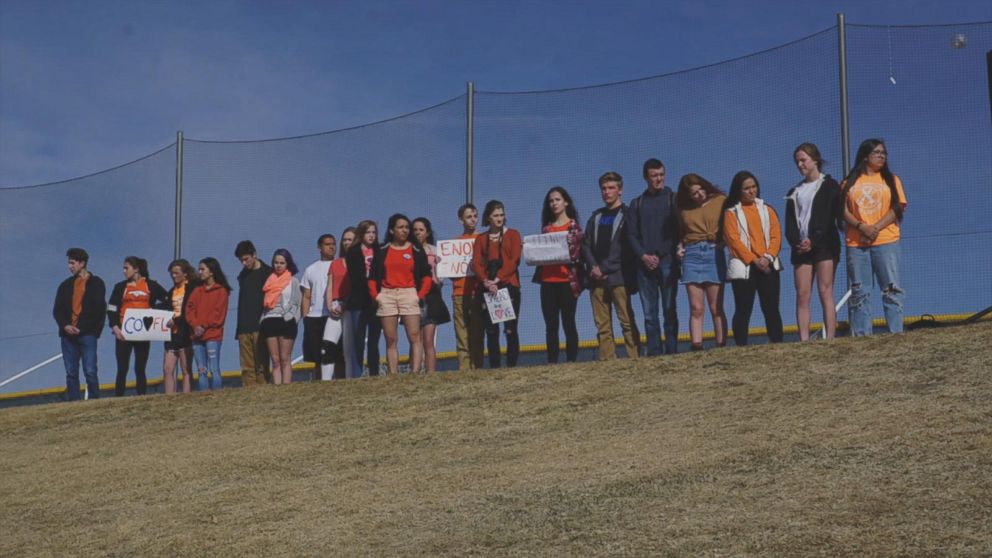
<point x="469" y="142"/>
<point x="845" y="133"/>
<point x="179" y="195"/>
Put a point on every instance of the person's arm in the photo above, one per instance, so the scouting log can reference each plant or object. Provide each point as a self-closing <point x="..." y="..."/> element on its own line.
<point x="377" y="265"/>
<point x="58" y="309"/>
<point x="113" y="310"/>
<point x="588" y="254"/>
<point x="732" y="236"/>
<point x="512" y="248"/>
<point x="774" y="233"/>
<point x="305" y="299"/>
<point x="478" y="264"/>
<point x="634" y="230"/>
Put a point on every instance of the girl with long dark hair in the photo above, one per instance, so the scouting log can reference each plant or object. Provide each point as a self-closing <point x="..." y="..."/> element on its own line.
<point x="561" y="284"/>
<point x="753" y="235"/>
<point x="362" y="323"/>
<point x="874" y="203"/>
<point x="433" y="310"/>
<point x="280" y="321"/>
<point x="179" y="349"/>
<point x="206" y="312"/>
<point x="135" y="291"/>
<point x="700" y="206"/>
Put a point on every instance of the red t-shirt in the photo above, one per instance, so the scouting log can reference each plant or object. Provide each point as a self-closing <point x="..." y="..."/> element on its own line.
<point x="555" y="273"/>
<point x="340" y="283"/>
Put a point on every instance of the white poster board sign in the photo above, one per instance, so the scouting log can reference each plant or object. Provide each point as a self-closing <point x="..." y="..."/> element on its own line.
<point x="547" y="249"/>
<point x="455" y="258"/>
<point x="146" y="324"/>
<point x="500" y="306"/>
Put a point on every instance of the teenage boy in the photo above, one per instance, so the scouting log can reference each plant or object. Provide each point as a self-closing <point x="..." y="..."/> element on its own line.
<point x="653" y="232"/>
<point x="469" y="324"/>
<point x="611" y="269"/>
<point x="253" y="352"/>
<point x="79" y="310"/>
<point x="314" y="309"/>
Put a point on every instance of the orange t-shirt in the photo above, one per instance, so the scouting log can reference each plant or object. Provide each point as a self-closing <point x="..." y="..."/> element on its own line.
<point x="869" y="200"/>
<point x="555" y="273"/>
<point x="755" y="234"/>
<point x="462" y="285"/>
<point x="78" y="288"/>
<point x="135" y="296"/>
<point x="178" y="294"/>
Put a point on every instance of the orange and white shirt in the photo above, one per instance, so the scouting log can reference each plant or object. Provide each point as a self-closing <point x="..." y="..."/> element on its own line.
<point x="136" y="295"/>
<point x="869" y="199"/>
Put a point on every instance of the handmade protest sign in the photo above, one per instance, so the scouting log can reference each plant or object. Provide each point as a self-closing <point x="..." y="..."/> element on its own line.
<point x="455" y="257"/>
<point x="547" y="249"/>
<point x="500" y="306"/>
<point x="146" y="324"/>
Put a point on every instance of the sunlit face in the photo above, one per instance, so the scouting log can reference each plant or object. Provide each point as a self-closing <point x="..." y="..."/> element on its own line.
<point x="279" y="264"/>
<point x="130" y="272"/>
<point x="749" y="190"/>
<point x="401" y="231"/>
<point x="611" y="192"/>
<point x="655" y="178"/>
<point x="557" y="203"/>
<point x="347" y="239"/>
<point x="877" y="157"/>
<point x="497" y="218"/>
<point x="178" y="277"/>
<point x="248" y="260"/>
<point x="697" y="194"/>
<point x="204" y="272"/>
<point x="420" y="232"/>
<point x="805" y="164"/>
<point x="469" y="219"/>
<point x="76" y="266"/>
<point x="371" y="236"/>
<point x="328" y="247"/>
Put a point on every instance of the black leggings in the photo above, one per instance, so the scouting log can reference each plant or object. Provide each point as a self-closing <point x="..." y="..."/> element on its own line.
<point x="509" y="329"/>
<point x="557" y="300"/>
<point x="767" y="287"/>
<point x="123" y="350"/>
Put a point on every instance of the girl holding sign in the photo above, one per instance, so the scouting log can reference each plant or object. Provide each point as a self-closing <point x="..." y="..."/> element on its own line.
<point x="400" y="279"/>
<point x="206" y="312"/>
<point x="139" y="292"/>
<point x="178" y="350"/>
<point x="496" y="259"/>
<point x="561" y="284"/>
<point x="282" y="314"/>
<point x="433" y="311"/>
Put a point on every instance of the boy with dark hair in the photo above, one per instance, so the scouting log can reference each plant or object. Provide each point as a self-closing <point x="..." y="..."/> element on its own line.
<point x="469" y="324"/>
<point x="313" y="307"/>
<point x="78" y="311"/>
<point x="253" y="353"/>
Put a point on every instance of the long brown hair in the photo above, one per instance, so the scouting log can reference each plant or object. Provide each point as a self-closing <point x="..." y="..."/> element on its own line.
<point x="684" y="200"/>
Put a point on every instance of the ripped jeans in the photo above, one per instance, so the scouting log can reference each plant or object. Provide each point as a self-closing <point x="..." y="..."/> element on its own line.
<point x="207" y="354"/>
<point x="869" y="266"/>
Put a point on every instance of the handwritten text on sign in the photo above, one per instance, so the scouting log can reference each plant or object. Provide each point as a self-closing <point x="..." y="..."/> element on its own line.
<point x="145" y="324"/>
<point x="546" y="249"/>
<point x="455" y="257"/>
<point x="500" y="306"/>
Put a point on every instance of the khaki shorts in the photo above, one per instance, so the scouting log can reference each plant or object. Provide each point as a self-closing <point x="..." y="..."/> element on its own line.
<point x="398" y="302"/>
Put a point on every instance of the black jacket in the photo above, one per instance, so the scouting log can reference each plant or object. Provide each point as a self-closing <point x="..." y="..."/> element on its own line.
<point x="620" y="266"/>
<point x="358" y="297"/>
<point x="91" y="317"/>
<point x="156" y="294"/>
<point x="824" y="231"/>
<point x="421" y="267"/>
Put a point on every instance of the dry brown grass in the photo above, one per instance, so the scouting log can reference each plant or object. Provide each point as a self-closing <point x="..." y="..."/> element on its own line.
<point x="879" y="446"/>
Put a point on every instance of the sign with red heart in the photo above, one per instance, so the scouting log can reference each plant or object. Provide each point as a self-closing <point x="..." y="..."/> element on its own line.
<point x="146" y="324"/>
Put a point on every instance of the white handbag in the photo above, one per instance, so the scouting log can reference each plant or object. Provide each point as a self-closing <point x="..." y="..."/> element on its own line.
<point x="737" y="269"/>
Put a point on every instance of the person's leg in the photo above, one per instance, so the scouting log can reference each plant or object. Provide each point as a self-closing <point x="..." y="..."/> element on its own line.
<point x="200" y="354"/>
<point x="411" y="323"/>
<point x="769" y="288"/>
<point x="427" y="337"/>
<point x="744" y="291"/>
<point x="568" y="304"/>
<point x="714" y="300"/>
<point x="374" y="332"/>
<point x="122" y="350"/>
<point x="628" y="325"/>
<point x="603" y="318"/>
<point x="550" y="312"/>
<point x="492" y="339"/>
<point x="886" y="263"/>
<point x="348" y="342"/>
<point x="460" y="319"/>
<point x="476" y="331"/>
<point x="87" y="347"/>
<point x="332" y="342"/>
<point x="510" y="329"/>
<point x="246" y="356"/>
<point x="169" y="361"/>
<point x="262" y="373"/>
<point x="286" y="358"/>
<point x="649" y="284"/>
<point x="272" y="343"/>
<point x="390" y="329"/>
<point x="141" y="350"/>
<point x="213" y="364"/>
<point x="71" y="354"/>
<point x="697" y="306"/>
<point x="825" y="271"/>
<point x="185" y="356"/>
<point x="669" y="292"/>
<point x="803" y="275"/>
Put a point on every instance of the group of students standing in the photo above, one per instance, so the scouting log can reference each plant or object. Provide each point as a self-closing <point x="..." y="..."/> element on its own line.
<point x="663" y="238"/>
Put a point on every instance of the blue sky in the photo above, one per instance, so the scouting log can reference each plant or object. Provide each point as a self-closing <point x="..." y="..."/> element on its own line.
<point x="85" y="86"/>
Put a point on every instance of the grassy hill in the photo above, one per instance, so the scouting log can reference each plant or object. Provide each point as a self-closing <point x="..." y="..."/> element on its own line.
<point x="877" y="446"/>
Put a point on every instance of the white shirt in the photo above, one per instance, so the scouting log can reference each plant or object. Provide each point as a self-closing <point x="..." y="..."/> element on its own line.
<point x="315" y="279"/>
<point x="804" y="204"/>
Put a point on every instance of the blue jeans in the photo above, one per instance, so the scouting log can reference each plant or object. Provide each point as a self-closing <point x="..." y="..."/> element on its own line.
<point x="366" y="328"/>
<point x="74" y="349"/>
<point x="650" y="284"/>
<point x="207" y="354"/>
<point x="866" y="267"/>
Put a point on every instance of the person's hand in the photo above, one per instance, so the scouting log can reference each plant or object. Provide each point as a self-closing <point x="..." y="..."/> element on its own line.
<point x="680" y="253"/>
<point x="870" y="232"/>
<point x="336" y="311"/>
<point x="199" y="331"/>
<point x="596" y="273"/>
<point x="804" y="246"/>
<point x="71" y="329"/>
<point x="170" y="323"/>
<point x="763" y="264"/>
<point x="118" y="334"/>
<point x="651" y="261"/>
<point x="492" y="286"/>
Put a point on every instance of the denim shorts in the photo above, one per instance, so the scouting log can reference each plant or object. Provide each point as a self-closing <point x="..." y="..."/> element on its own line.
<point x="703" y="262"/>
